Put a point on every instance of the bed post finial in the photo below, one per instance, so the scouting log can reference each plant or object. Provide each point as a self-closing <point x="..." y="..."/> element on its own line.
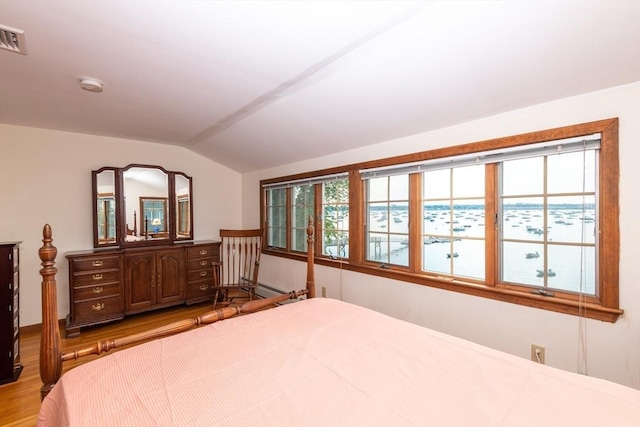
<point x="50" y="350"/>
<point x="311" y="280"/>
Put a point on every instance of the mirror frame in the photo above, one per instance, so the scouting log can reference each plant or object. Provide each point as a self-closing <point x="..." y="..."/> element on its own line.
<point x="96" y="194"/>
<point x="121" y="225"/>
<point x="174" y="205"/>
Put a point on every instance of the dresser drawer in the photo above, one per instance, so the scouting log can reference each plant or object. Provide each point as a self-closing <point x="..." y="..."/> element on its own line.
<point x="97" y="309"/>
<point x="97" y="263"/>
<point x="200" y="263"/>
<point x="98" y="278"/>
<point x="203" y="251"/>
<point x="202" y="274"/>
<point x="199" y="289"/>
<point x="95" y="291"/>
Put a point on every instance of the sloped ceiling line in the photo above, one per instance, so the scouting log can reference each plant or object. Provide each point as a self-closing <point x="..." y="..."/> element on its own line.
<point x="296" y="82"/>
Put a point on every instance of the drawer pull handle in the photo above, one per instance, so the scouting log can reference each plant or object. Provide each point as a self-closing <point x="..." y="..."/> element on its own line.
<point x="97" y="289"/>
<point x="204" y="287"/>
<point x="97" y="263"/>
<point x="203" y="274"/>
<point x="203" y="263"/>
<point x="203" y="251"/>
<point x="97" y="307"/>
<point x="97" y="277"/>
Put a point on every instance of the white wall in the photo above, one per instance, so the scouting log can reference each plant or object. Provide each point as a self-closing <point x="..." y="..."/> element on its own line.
<point x="613" y="350"/>
<point x="45" y="177"/>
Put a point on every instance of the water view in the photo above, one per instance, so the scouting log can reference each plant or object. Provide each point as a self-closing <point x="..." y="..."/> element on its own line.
<point x="453" y="243"/>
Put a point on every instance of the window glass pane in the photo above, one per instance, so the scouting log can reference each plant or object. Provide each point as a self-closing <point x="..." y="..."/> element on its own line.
<point x="378" y="189"/>
<point x="565" y="262"/>
<point x="399" y="222"/>
<point x="437" y="184"/>
<point x="468" y="181"/>
<point x="572" y="219"/>
<point x="524" y="264"/>
<point x="523" y="218"/>
<point x="525" y="176"/>
<point x="335" y="214"/>
<point x="277" y="197"/>
<point x="572" y="172"/>
<point x="468" y="218"/>
<point x="467" y="258"/>
<point x="459" y="257"/>
<point x="399" y="187"/>
<point x="277" y="237"/>
<point x="378" y="217"/>
<point x="520" y="262"/>
<point x="434" y="219"/>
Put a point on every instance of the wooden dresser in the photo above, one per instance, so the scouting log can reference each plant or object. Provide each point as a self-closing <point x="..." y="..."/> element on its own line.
<point x="108" y="284"/>
<point x="10" y="366"/>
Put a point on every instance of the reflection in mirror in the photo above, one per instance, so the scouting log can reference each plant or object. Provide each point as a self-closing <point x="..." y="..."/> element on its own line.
<point x="183" y="208"/>
<point x="106" y="207"/>
<point x="154" y="212"/>
<point x="151" y="185"/>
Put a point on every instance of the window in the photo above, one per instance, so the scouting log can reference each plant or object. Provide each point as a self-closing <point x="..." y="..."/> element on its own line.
<point x="302" y="208"/>
<point x="335" y="218"/>
<point x="530" y="219"/>
<point x="277" y="218"/>
<point x="549" y="220"/>
<point x="388" y="219"/>
<point x="454" y="222"/>
<point x="289" y="205"/>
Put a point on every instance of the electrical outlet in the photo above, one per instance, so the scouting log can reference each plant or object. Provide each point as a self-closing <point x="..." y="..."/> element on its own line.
<point x="324" y="292"/>
<point x="537" y="353"/>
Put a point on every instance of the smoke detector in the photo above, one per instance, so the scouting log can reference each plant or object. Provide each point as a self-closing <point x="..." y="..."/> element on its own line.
<point x="12" y="39"/>
<point x="91" y="84"/>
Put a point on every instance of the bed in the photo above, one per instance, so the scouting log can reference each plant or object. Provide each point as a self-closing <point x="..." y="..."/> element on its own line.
<point x="314" y="362"/>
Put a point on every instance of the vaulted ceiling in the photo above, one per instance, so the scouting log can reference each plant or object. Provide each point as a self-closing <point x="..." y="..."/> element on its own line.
<point x="257" y="84"/>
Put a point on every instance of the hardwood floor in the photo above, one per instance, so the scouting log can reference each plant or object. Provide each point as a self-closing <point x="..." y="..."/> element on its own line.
<point x="21" y="399"/>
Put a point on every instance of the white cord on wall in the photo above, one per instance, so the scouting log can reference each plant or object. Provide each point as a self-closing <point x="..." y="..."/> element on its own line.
<point x="582" y="309"/>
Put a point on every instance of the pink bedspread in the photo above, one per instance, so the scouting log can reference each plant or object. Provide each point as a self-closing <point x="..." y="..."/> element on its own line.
<point x="323" y="362"/>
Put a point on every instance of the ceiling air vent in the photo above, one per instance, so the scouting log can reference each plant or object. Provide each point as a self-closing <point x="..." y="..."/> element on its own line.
<point x="12" y="39"/>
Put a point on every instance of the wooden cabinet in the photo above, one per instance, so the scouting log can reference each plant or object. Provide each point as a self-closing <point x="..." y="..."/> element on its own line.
<point x="10" y="366"/>
<point x="154" y="279"/>
<point x="200" y="272"/>
<point x="108" y="284"/>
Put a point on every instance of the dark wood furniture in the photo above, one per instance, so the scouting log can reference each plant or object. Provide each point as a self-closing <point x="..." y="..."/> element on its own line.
<point x="10" y="366"/>
<point x="239" y="264"/>
<point x="108" y="284"/>
<point x="51" y="353"/>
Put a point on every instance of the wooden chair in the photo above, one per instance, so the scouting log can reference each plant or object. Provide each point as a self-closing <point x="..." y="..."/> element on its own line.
<point x="239" y="264"/>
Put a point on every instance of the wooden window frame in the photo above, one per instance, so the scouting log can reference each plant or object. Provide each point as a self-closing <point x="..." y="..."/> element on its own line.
<point x="604" y="306"/>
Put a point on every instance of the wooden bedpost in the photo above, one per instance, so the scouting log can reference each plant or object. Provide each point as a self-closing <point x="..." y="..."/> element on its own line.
<point x="311" y="279"/>
<point x="50" y="345"/>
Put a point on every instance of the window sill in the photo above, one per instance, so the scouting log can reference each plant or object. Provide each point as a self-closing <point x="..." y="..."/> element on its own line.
<point x="526" y="298"/>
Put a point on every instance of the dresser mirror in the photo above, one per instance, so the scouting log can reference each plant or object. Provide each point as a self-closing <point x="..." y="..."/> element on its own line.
<point x="183" y="206"/>
<point x="141" y="205"/>
<point x="104" y="213"/>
